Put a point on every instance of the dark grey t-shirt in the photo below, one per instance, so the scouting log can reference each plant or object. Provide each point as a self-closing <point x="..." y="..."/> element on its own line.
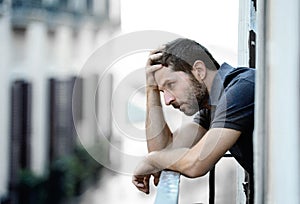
<point x="232" y="106"/>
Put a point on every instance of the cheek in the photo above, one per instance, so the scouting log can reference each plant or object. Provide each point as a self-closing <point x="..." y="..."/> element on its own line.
<point x="183" y="87"/>
<point x="182" y="92"/>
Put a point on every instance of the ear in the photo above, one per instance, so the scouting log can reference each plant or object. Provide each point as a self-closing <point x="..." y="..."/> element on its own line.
<point x="199" y="70"/>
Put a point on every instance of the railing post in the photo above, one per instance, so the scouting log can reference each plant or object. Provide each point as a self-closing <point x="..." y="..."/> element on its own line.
<point x="168" y="188"/>
<point x="212" y="186"/>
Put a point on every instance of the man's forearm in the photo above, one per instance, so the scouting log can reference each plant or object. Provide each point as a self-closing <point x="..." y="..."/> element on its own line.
<point x="183" y="160"/>
<point x="179" y="160"/>
<point x="157" y="130"/>
<point x="198" y="160"/>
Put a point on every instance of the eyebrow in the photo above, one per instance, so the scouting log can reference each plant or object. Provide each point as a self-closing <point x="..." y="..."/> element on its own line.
<point x="165" y="82"/>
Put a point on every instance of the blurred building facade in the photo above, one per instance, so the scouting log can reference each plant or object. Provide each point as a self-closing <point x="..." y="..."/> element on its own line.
<point x="44" y="45"/>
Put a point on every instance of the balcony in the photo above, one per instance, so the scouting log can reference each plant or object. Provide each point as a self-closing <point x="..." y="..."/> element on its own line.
<point x="58" y="12"/>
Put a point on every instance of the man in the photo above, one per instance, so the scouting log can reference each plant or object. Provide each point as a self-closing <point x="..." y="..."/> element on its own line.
<point x="222" y="97"/>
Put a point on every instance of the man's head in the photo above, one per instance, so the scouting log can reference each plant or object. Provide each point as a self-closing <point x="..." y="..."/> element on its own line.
<point x="182" y="53"/>
<point x="182" y="79"/>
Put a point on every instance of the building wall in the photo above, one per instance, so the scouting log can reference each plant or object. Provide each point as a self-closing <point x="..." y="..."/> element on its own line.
<point x="44" y="45"/>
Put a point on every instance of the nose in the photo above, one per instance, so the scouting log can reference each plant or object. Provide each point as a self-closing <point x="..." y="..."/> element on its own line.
<point x="169" y="98"/>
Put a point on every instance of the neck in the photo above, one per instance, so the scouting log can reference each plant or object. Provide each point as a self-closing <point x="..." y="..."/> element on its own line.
<point x="209" y="79"/>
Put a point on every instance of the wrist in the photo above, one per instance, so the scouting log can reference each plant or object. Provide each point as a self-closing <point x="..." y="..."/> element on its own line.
<point x="152" y="157"/>
<point x="152" y="87"/>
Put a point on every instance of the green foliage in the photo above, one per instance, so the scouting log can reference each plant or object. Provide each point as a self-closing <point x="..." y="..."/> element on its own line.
<point x="67" y="177"/>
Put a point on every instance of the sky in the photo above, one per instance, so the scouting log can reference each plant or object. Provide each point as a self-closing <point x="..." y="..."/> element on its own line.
<point x="212" y="23"/>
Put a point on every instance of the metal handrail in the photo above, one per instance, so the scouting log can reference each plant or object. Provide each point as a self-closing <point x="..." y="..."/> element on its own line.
<point x="168" y="187"/>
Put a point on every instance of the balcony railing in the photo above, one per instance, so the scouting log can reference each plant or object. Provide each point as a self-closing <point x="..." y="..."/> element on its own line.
<point x="168" y="187"/>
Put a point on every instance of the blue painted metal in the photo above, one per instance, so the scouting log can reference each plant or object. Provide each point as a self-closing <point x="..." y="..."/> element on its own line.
<point x="168" y="188"/>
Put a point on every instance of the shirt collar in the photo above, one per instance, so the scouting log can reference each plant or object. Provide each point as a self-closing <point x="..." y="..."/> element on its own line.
<point x="218" y="84"/>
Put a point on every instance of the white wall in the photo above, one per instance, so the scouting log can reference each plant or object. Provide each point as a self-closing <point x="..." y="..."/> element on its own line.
<point x="5" y="66"/>
<point x="278" y="98"/>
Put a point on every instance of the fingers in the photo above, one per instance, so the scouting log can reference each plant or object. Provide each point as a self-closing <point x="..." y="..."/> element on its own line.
<point x="153" y="64"/>
<point x="146" y="184"/>
<point x="154" y="58"/>
<point x="150" y="79"/>
<point x="151" y="68"/>
<point x="159" y="49"/>
<point x="156" y="178"/>
<point x="156" y="54"/>
<point x="154" y="68"/>
<point x="141" y="183"/>
<point x="156" y="181"/>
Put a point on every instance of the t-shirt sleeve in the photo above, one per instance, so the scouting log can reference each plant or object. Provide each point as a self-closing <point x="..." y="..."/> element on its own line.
<point x="235" y="109"/>
<point x="203" y="118"/>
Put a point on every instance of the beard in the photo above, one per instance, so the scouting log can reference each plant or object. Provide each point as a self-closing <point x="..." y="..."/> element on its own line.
<point x="197" y="97"/>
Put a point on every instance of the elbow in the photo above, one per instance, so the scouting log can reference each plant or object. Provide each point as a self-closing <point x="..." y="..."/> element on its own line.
<point x="195" y="172"/>
<point x="194" y="169"/>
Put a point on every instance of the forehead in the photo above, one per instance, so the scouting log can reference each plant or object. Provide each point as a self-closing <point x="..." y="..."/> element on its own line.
<point x="166" y="74"/>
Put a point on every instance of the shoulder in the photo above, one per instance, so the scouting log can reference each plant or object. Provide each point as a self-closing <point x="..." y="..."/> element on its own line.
<point x="203" y="118"/>
<point x="239" y="74"/>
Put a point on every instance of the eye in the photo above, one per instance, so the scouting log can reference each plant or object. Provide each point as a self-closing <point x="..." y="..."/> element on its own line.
<point x="171" y="85"/>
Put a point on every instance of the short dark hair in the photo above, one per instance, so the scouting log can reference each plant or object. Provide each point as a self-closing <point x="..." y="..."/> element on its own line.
<point x="182" y="53"/>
